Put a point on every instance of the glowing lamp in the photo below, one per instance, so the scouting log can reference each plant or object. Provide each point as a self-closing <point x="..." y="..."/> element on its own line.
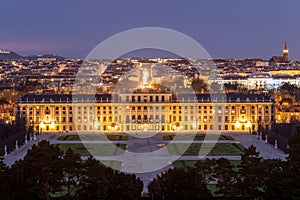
<point x="52" y="125"/>
<point x="248" y="124"/>
<point x="238" y="124"/>
<point x="42" y="125"/>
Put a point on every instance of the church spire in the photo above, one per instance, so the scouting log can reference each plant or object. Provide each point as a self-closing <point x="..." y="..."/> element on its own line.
<point x="285" y="52"/>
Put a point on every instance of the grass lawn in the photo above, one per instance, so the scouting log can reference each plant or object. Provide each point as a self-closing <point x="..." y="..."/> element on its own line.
<point x="95" y="149"/>
<point x="219" y="149"/>
<point x="198" y="137"/>
<point x="191" y="163"/>
<point x="114" y="164"/>
<point x="188" y="163"/>
<point x="213" y="189"/>
<point x="93" y="137"/>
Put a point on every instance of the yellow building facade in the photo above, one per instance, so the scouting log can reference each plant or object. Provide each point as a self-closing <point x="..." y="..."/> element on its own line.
<point x="146" y="110"/>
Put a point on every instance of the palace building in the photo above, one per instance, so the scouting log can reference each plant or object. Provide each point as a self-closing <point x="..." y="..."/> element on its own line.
<point x="146" y="110"/>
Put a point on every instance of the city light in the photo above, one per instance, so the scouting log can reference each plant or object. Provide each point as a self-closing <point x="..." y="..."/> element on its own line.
<point x="52" y="125"/>
<point x="248" y="124"/>
<point x="42" y="125"/>
<point x="238" y="124"/>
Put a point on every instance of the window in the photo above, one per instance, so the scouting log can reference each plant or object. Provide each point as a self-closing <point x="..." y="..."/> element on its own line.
<point x="226" y="118"/>
<point x="219" y="119"/>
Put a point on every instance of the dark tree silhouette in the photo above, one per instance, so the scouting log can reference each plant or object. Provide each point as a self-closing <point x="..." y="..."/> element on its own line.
<point x="44" y="170"/>
<point x="290" y="183"/>
<point x="179" y="184"/>
<point x="72" y="166"/>
<point x="99" y="182"/>
<point x="252" y="174"/>
<point x="227" y="178"/>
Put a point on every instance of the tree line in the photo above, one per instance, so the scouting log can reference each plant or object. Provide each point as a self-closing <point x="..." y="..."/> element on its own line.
<point x="48" y="173"/>
<point x="253" y="178"/>
<point x="10" y="133"/>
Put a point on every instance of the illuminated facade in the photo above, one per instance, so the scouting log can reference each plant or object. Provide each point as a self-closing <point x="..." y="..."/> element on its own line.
<point x="146" y="110"/>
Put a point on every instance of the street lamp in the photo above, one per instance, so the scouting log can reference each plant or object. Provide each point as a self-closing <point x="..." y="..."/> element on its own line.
<point x="52" y="125"/>
<point x="96" y="125"/>
<point x="249" y="126"/>
<point x="42" y="125"/>
<point x="237" y="124"/>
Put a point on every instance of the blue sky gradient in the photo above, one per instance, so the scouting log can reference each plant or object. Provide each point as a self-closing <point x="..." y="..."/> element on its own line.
<point x="226" y="29"/>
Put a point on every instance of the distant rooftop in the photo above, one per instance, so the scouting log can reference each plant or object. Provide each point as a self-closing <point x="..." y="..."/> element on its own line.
<point x="68" y="98"/>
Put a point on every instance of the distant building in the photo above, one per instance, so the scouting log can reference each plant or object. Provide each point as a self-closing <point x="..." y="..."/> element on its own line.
<point x="281" y="59"/>
<point x="47" y="59"/>
<point x="258" y="80"/>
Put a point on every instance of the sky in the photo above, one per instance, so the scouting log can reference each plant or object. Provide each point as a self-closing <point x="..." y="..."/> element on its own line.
<point x="225" y="28"/>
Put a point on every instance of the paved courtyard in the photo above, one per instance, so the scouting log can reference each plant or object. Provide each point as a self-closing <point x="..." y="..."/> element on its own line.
<point x="267" y="151"/>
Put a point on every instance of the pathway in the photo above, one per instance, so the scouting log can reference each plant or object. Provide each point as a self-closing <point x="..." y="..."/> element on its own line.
<point x="266" y="151"/>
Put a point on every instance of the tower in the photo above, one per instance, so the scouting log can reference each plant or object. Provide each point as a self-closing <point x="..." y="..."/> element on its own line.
<point x="285" y="52"/>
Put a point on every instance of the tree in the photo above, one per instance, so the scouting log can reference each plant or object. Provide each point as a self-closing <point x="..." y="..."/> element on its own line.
<point x="128" y="187"/>
<point x="252" y="174"/>
<point x="199" y="86"/>
<point x="179" y="184"/>
<point x="290" y="184"/>
<point x="72" y="166"/>
<point x="204" y="169"/>
<point x="3" y="179"/>
<point x="17" y="183"/>
<point x="100" y="182"/>
<point x="94" y="181"/>
<point x="273" y="170"/>
<point x="227" y="180"/>
<point x="43" y="169"/>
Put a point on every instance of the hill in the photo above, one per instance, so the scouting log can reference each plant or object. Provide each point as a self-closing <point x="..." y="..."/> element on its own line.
<point x="9" y="55"/>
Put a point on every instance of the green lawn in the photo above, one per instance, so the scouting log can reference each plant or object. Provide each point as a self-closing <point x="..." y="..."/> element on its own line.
<point x="95" y="149"/>
<point x="93" y="137"/>
<point x="213" y="189"/>
<point x="188" y="163"/>
<point x="114" y="164"/>
<point x="198" y="137"/>
<point x="191" y="163"/>
<point x="219" y="149"/>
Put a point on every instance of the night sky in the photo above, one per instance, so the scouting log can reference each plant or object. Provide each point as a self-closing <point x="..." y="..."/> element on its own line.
<point x="225" y="28"/>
